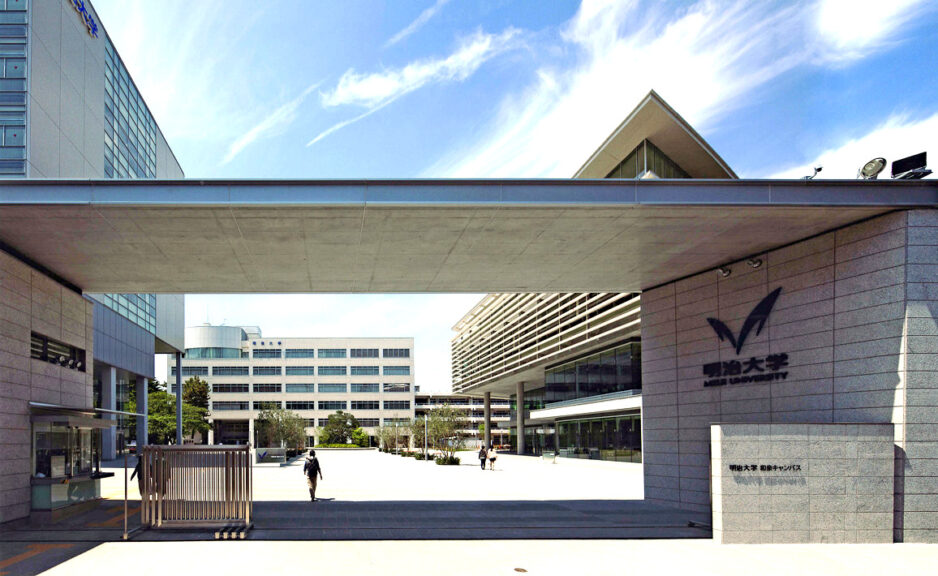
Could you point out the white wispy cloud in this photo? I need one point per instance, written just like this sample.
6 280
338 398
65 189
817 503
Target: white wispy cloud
274 123
851 29
417 24
336 127
899 136
376 90
373 89
704 60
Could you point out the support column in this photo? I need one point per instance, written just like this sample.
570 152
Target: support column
251 431
143 424
179 398
520 417
487 437
109 402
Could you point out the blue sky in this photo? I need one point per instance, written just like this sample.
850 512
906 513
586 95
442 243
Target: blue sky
454 88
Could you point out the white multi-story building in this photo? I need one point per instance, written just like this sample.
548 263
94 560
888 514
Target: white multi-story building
372 378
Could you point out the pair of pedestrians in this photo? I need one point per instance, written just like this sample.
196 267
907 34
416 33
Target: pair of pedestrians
487 454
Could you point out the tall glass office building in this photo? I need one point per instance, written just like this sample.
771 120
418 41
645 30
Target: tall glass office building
69 108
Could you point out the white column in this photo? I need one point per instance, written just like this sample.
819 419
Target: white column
520 417
211 436
142 405
109 402
251 431
487 438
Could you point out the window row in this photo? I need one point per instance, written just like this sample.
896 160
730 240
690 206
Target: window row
363 422
312 405
308 388
331 352
293 371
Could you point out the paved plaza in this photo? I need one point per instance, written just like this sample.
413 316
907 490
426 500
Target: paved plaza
381 512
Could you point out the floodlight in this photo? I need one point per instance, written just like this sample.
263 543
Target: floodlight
871 169
723 271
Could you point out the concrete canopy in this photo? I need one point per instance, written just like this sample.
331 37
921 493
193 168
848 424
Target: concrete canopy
418 236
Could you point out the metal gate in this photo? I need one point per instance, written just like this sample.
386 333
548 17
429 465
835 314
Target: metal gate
196 486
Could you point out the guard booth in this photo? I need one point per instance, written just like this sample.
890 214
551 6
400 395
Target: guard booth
66 459
196 487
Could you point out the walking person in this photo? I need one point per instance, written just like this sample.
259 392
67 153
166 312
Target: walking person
492 456
483 454
311 468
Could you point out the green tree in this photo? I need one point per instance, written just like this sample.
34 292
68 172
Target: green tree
195 392
417 430
161 416
385 436
339 428
359 438
278 427
446 429
194 419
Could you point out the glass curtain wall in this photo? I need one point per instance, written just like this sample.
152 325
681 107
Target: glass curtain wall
612 370
616 438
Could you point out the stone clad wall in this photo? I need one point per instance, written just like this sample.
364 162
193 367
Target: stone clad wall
31 301
919 499
856 346
796 483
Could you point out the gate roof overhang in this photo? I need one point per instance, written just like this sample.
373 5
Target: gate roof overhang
276 236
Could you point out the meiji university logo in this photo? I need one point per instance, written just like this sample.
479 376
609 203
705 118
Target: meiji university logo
756 319
755 369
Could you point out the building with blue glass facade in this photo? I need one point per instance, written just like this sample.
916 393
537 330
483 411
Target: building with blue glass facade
70 109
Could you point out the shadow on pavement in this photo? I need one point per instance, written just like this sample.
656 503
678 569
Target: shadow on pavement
465 520
29 547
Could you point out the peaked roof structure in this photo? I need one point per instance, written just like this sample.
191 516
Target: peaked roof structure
655 120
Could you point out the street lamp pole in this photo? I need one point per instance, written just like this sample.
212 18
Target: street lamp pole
425 434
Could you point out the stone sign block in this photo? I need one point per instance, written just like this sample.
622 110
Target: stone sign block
793 483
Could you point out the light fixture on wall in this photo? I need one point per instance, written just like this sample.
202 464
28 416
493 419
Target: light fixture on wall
723 271
754 262
811 177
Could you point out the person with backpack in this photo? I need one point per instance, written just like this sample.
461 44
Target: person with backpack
311 468
482 456
492 456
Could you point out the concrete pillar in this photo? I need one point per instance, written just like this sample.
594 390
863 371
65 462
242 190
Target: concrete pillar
143 423
211 436
487 438
251 432
179 398
109 402
520 417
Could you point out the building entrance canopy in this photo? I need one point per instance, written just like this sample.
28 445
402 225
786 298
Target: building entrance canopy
419 235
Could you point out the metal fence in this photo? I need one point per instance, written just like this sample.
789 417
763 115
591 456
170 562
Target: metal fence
195 486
